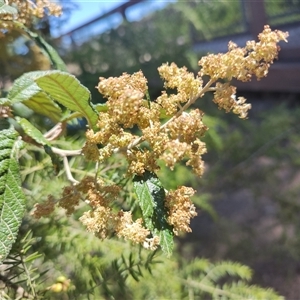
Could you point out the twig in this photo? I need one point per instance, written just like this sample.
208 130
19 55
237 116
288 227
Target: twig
15 287
55 132
190 102
64 153
68 171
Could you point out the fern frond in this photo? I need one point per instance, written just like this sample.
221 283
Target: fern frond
251 291
204 277
224 268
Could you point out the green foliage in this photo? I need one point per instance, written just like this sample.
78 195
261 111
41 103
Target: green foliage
102 269
12 199
207 278
26 91
40 89
211 19
32 131
68 91
256 196
6 9
281 11
47 49
151 195
19 270
107 269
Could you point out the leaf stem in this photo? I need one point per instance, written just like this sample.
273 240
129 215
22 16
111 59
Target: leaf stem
68 171
63 153
55 132
190 102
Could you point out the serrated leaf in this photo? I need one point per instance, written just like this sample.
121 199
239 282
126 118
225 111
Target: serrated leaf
68 91
12 199
24 87
32 131
149 192
166 241
26 91
52 53
42 104
7 9
151 196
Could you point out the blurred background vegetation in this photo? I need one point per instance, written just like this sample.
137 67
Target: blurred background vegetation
249 196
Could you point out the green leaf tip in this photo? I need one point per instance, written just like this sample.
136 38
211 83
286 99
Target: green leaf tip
47 49
12 199
151 197
68 91
27 92
32 131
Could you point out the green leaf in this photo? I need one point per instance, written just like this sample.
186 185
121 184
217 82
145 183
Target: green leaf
100 107
4 101
32 131
53 55
166 241
47 49
32 257
26 91
68 91
7 9
12 199
151 196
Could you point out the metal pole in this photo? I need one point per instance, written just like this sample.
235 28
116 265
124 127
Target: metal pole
256 14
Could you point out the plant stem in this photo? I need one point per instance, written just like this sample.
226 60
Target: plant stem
182 109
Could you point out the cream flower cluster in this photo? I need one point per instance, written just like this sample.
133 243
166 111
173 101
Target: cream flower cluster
166 129
28 10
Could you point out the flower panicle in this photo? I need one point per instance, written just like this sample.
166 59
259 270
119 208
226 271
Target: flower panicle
27 11
166 130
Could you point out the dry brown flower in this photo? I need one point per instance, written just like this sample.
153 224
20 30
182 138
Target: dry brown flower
44 209
181 209
29 10
70 198
243 63
5 111
166 129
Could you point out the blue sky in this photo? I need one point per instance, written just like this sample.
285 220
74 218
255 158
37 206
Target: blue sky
89 9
